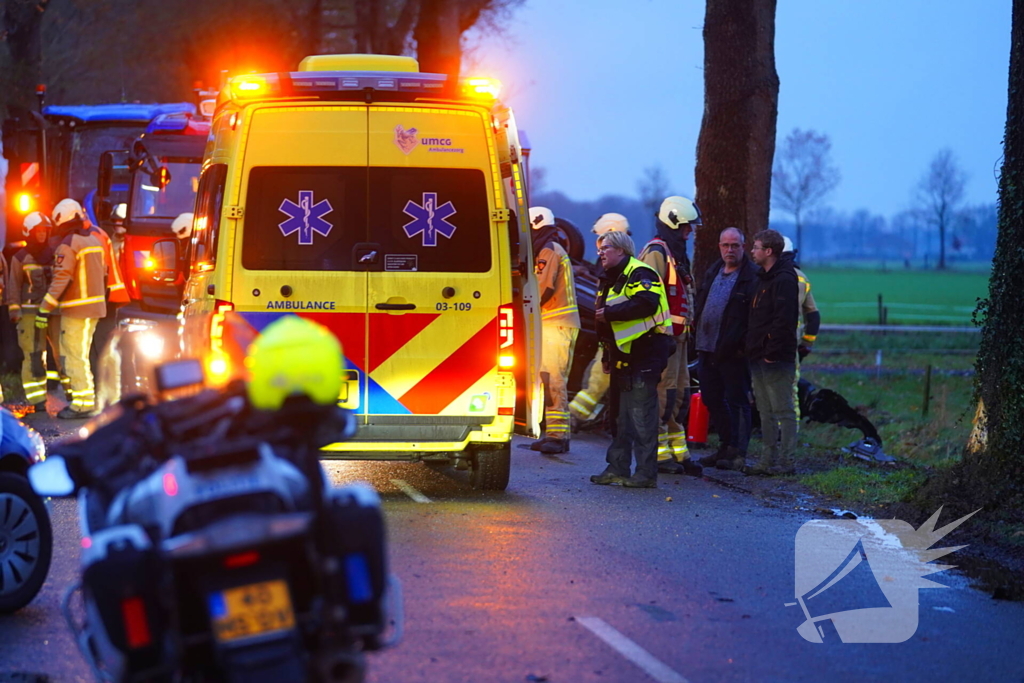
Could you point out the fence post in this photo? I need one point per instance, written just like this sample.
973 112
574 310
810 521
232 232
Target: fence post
880 311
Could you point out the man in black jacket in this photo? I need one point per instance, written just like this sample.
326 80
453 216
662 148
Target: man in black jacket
771 350
721 314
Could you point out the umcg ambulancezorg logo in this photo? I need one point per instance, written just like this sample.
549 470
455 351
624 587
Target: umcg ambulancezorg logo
857 580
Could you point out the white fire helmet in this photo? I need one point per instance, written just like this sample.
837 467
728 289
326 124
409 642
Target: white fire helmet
787 245
611 222
675 211
66 210
182 226
33 221
541 216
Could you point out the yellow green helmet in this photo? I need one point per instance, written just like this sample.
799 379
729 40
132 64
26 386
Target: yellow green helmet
294 356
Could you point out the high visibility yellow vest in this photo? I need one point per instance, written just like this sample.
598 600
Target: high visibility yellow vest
627 330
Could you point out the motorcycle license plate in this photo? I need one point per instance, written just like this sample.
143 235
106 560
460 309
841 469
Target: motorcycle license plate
252 610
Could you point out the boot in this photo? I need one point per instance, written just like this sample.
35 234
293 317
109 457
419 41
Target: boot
536 445
638 481
731 459
693 469
553 446
607 478
670 467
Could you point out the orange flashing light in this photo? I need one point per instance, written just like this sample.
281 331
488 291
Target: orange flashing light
489 88
149 264
248 86
23 202
506 361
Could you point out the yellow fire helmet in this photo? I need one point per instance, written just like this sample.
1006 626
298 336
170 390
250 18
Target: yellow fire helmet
294 356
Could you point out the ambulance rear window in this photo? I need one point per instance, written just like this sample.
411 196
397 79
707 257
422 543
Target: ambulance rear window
304 217
412 219
436 219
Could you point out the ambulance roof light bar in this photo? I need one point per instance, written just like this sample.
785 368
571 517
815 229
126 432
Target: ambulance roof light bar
323 83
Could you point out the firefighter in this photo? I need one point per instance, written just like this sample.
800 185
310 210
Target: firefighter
30 275
78 289
560 322
633 319
586 404
3 290
666 255
810 321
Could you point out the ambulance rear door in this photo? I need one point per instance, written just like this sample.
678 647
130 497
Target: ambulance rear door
303 195
433 267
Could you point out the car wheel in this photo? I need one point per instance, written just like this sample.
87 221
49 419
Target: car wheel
26 542
491 469
571 239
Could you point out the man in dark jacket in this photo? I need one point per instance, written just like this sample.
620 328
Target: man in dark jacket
634 327
721 314
771 350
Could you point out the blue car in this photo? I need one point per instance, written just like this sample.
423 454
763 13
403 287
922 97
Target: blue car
26 539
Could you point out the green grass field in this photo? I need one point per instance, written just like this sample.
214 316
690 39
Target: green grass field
913 297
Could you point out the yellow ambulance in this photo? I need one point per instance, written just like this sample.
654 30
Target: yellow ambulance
390 206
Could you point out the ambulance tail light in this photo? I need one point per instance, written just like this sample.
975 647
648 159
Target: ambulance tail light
221 306
506 329
506 338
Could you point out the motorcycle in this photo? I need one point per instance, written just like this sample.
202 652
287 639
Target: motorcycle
26 539
213 547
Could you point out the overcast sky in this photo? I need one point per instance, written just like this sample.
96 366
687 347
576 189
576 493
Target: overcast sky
606 88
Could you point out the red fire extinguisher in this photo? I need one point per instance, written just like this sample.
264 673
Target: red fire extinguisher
697 426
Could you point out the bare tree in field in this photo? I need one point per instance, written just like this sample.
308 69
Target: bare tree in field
737 135
939 195
653 187
803 175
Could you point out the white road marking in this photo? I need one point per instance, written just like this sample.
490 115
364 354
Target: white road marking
651 665
408 490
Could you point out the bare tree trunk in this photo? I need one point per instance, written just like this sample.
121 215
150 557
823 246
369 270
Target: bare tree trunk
737 136
994 458
439 37
22 23
942 242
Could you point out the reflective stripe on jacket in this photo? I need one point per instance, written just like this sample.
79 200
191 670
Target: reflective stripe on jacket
627 330
677 290
557 287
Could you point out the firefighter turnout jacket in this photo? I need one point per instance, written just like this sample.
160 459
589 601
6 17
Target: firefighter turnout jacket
117 293
29 280
79 281
658 256
557 287
810 317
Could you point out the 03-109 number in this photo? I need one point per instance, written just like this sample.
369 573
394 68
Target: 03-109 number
458 306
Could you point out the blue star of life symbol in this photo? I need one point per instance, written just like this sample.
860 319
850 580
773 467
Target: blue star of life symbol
305 217
429 219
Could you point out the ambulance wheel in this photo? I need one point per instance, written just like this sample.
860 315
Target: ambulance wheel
26 542
491 469
571 238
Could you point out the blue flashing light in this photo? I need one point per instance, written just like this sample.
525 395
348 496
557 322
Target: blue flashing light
109 113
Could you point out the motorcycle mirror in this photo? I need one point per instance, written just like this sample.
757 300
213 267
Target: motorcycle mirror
51 478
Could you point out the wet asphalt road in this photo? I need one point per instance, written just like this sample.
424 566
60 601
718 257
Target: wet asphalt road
559 580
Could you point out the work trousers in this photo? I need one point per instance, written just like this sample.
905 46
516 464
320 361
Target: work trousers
75 345
773 391
676 377
724 389
34 356
556 359
636 432
584 403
